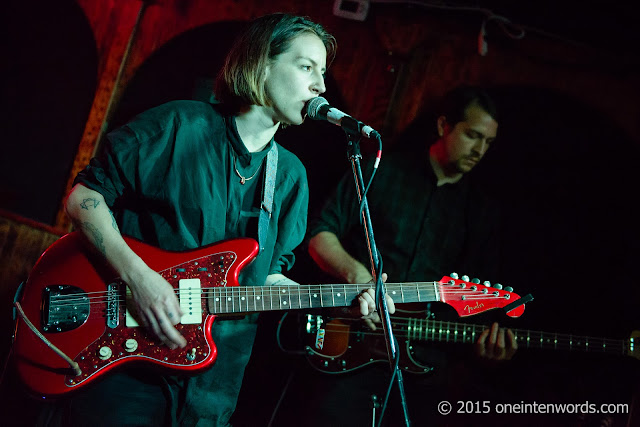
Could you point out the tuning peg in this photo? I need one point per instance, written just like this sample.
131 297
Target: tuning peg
475 280
465 278
454 275
508 289
497 286
486 283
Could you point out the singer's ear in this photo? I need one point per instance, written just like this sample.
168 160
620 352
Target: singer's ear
442 125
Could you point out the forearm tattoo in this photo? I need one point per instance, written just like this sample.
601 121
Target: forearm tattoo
113 221
89 203
97 238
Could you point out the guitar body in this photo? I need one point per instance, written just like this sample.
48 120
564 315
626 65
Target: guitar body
344 345
77 303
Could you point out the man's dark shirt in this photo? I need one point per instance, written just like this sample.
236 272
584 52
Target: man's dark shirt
422 231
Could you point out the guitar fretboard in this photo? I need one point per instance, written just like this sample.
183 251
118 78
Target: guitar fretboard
240 299
443 331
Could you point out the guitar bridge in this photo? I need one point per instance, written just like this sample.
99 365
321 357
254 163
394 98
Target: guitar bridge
64 308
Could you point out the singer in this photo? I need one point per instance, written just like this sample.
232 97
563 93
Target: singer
187 174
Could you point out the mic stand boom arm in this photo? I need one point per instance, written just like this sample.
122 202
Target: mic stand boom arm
353 151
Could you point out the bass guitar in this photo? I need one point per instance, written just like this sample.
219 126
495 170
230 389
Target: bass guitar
344 345
75 326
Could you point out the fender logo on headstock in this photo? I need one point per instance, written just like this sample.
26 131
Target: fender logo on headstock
469 309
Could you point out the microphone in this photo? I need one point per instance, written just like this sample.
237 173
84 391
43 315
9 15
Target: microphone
319 109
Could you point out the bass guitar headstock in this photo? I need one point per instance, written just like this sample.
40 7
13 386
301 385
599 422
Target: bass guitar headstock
469 297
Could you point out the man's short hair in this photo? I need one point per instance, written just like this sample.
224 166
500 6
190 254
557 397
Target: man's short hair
240 83
455 103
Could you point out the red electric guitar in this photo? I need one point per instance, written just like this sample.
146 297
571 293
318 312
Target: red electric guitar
75 325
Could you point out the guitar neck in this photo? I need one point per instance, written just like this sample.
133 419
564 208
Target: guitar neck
244 299
443 331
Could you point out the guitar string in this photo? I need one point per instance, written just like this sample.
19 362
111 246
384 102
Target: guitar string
405 287
237 291
270 291
277 289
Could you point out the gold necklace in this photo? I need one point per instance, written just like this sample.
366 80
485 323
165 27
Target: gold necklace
243 180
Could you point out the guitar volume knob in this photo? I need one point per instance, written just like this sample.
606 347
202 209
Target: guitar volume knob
104 353
131 345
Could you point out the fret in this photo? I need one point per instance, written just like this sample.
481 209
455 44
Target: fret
570 343
315 296
327 296
333 298
232 298
541 340
448 331
412 293
292 301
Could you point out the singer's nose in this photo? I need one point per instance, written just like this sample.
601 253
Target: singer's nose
318 86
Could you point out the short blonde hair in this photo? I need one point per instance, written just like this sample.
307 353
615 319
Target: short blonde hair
240 82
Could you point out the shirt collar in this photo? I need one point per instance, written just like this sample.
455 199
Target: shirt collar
245 157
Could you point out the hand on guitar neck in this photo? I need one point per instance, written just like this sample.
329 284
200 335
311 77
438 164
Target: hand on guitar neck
367 305
496 344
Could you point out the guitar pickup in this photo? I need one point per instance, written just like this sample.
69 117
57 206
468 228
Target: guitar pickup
113 310
190 295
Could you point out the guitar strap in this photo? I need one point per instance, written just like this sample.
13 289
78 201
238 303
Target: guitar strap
267 195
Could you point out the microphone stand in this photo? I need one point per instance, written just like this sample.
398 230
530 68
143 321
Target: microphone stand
353 129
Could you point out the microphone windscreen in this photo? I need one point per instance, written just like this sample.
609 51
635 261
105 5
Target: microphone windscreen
313 107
